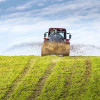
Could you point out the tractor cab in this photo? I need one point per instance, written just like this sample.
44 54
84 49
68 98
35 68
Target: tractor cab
56 42
57 34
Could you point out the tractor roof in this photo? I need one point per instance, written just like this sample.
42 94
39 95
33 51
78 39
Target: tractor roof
58 29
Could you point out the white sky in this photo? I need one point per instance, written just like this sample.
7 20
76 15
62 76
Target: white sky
26 21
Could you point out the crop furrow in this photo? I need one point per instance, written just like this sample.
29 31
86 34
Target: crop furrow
88 69
41 82
83 80
18 80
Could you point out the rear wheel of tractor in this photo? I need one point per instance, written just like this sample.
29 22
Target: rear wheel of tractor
67 50
44 51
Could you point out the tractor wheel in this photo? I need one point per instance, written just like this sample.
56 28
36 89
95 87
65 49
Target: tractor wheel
44 51
63 49
66 51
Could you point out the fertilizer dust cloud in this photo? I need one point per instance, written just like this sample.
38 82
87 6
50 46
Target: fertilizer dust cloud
35 49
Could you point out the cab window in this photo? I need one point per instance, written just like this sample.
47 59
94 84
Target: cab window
61 33
46 35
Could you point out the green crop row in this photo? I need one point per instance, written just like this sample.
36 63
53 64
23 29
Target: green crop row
26 87
10 68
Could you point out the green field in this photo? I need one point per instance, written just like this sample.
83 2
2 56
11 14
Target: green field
49 78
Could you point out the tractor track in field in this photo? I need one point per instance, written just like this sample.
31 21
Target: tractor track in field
88 69
68 83
41 82
18 80
86 76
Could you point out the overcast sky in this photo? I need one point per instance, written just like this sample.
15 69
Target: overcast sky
25 21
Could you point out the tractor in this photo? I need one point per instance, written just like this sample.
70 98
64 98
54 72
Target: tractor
56 42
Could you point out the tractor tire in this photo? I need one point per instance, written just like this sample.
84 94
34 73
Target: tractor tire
44 51
55 48
66 51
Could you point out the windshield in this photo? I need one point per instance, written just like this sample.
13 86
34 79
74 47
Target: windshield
61 33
